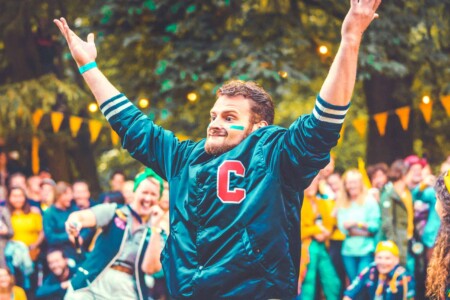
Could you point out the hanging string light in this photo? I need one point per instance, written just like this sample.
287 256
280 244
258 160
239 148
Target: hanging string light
93 107
323 49
283 74
143 103
426 99
192 96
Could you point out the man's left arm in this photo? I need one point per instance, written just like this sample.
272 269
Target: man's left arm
310 139
340 81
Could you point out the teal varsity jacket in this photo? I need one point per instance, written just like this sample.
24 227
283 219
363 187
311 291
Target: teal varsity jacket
235 217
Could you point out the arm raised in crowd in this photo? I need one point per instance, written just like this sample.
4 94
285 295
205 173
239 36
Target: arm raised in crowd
152 258
78 220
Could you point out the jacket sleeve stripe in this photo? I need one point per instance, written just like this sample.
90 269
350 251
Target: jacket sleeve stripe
329 113
111 102
325 119
114 106
117 110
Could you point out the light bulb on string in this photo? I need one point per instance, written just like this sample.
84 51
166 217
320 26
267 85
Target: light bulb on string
192 96
426 99
93 107
143 103
283 74
323 49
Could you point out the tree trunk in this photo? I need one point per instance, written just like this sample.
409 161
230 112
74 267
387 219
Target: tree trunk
387 94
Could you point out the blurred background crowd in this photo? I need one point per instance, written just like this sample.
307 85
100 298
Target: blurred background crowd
344 216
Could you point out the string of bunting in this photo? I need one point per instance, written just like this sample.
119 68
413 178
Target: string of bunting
75 123
403 113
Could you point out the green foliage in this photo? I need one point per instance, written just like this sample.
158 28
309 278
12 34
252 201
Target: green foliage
162 50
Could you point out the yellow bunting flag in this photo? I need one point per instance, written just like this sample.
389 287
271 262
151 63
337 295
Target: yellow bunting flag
20 111
37 116
35 155
264 3
75 124
360 125
403 115
426 109
341 133
94 128
182 137
381 120
114 138
445 100
56 118
362 169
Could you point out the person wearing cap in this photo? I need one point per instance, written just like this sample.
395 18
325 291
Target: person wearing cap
128 247
438 279
47 197
384 279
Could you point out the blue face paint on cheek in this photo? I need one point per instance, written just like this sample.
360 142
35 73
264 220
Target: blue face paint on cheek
237 127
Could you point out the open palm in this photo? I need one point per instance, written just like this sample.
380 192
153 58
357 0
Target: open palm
82 51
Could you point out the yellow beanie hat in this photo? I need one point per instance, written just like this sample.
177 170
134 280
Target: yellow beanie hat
387 246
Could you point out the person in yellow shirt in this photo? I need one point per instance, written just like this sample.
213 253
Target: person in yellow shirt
8 289
26 221
317 224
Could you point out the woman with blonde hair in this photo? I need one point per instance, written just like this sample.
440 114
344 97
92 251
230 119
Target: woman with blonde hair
358 218
438 279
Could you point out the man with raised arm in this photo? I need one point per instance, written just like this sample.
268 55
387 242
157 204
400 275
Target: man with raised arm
235 197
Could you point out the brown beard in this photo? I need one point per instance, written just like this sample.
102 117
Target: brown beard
217 150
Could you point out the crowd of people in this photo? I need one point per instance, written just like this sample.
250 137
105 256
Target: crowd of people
52 230
365 233
363 224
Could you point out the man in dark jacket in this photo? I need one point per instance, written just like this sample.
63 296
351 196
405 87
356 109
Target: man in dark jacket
56 283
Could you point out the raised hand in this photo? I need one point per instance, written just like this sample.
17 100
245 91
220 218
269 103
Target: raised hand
82 52
156 215
358 18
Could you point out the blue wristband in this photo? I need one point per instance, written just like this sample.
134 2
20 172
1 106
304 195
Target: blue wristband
87 67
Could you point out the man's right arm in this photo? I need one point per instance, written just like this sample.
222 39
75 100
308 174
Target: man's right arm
84 53
146 142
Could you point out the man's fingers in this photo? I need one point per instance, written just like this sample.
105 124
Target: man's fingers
60 27
376 4
90 38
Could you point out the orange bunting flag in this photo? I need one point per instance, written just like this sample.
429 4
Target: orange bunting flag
94 128
403 115
37 116
56 118
114 138
426 109
35 155
445 100
360 125
75 124
381 120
